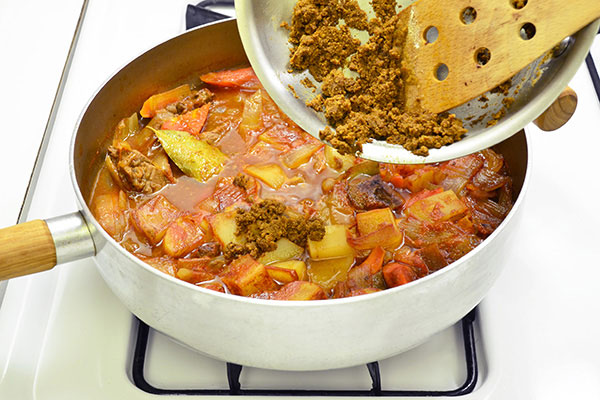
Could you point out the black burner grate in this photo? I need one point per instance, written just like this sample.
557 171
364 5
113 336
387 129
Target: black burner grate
199 14
591 66
234 371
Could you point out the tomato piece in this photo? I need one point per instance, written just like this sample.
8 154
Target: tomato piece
191 121
396 274
244 77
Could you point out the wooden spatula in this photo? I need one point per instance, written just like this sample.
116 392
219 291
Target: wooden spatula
458 50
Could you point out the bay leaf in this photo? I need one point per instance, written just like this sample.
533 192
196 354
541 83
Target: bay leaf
193 156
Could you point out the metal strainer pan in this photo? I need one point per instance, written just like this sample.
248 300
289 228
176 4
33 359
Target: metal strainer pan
534 88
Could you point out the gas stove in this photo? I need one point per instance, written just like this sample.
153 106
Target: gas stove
64 335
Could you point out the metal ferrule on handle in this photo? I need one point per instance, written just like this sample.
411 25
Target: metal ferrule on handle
38 245
72 237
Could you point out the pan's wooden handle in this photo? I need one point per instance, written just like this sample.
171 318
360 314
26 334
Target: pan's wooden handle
559 112
25 249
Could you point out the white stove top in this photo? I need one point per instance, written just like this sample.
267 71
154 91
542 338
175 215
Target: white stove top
63 335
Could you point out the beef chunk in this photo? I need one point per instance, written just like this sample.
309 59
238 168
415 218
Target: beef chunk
210 249
368 193
197 99
133 171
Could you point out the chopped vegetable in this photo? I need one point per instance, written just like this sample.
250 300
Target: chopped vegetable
368 274
194 157
300 155
161 100
337 161
327 273
296 265
244 77
387 236
439 207
300 290
396 274
370 221
333 245
184 235
245 276
271 174
191 122
108 209
224 227
282 275
126 128
153 217
285 250
251 116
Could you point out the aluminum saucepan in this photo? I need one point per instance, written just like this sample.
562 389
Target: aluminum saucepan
285 335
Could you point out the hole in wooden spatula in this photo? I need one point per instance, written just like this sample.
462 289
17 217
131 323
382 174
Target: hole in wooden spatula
468 15
518 4
482 56
441 72
527 31
431 34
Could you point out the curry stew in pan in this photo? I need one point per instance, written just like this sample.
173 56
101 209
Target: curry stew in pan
212 184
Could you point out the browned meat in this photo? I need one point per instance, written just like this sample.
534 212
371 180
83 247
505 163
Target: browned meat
368 193
198 98
133 171
210 249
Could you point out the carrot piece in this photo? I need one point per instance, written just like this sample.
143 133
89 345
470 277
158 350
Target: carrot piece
375 260
231 78
161 100
361 276
191 121
396 274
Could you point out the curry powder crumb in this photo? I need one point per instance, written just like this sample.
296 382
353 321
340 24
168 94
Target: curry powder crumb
265 223
363 85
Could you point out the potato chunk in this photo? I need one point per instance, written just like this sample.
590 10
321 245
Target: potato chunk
184 235
224 227
109 210
296 265
327 273
301 154
246 276
300 290
370 221
271 174
337 161
153 217
282 275
284 251
333 245
442 206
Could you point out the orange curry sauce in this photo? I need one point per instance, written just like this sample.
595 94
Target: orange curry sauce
386 225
